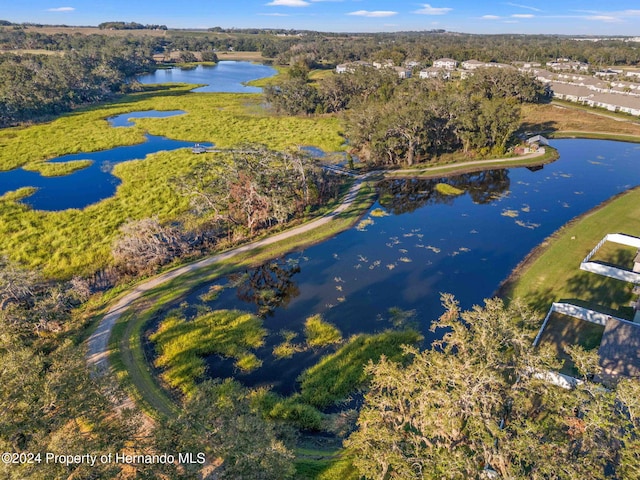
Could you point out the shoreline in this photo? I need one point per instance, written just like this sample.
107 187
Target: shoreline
507 285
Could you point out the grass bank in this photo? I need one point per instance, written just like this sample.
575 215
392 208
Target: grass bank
125 345
464 165
562 120
551 273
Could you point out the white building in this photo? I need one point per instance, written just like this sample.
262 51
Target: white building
434 72
446 63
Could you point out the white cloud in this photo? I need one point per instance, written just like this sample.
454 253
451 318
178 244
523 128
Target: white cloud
527 7
375 13
490 17
603 18
61 9
288 3
429 10
523 15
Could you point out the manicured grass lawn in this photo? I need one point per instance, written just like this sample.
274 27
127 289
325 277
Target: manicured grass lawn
552 272
563 330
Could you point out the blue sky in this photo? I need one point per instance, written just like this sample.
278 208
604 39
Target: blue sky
583 17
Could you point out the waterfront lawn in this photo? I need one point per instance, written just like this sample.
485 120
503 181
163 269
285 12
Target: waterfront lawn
564 331
551 273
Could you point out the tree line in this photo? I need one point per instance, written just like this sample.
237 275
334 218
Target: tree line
33 86
129 26
233 196
389 121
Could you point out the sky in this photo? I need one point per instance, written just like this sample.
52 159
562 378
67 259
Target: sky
573 17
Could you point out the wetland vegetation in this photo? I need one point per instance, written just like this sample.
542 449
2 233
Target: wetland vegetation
227 348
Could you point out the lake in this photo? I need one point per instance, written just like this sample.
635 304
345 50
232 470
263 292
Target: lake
226 76
424 244
96 182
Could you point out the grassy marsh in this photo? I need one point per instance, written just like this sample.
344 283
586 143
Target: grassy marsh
340 374
58 169
181 343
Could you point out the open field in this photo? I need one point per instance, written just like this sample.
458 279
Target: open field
242 56
551 272
559 120
24 51
52 30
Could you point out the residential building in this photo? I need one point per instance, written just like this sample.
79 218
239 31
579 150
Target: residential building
446 63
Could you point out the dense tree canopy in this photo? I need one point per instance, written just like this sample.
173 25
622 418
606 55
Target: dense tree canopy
473 405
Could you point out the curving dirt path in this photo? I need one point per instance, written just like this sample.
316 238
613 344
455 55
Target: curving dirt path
98 342
462 165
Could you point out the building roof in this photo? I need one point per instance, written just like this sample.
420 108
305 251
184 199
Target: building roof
574 90
620 349
445 60
618 99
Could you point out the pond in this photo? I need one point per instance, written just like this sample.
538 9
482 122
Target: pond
226 76
412 245
96 182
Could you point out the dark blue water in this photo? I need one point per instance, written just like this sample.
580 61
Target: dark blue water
427 244
94 183
124 120
226 76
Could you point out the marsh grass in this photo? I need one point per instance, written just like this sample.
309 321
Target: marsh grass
74 241
58 169
17 195
340 374
320 333
287 348
182 343
446 189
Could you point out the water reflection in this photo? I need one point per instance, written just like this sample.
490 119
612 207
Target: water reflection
268 286
404 195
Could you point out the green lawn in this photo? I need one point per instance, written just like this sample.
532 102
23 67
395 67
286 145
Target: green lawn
616 255
552 273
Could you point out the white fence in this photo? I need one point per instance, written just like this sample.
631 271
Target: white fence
608 271
577 312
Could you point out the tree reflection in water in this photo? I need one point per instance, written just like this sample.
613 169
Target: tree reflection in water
268 286
403 195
